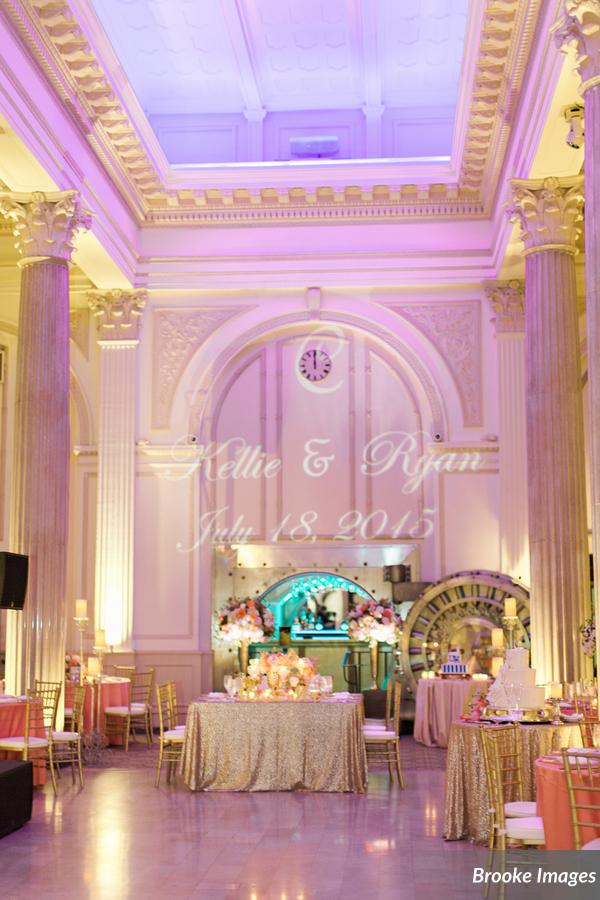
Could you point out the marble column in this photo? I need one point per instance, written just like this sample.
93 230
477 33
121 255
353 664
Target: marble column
118 315
44 225
508 304
549 213
580 23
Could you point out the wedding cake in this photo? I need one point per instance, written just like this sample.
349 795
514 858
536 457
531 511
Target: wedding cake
515 687
454 664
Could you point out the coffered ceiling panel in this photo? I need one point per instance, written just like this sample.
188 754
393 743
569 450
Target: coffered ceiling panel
203 69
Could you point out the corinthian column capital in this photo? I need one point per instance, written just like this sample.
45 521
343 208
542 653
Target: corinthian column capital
118 313
507 299
44 224
549 212
580 24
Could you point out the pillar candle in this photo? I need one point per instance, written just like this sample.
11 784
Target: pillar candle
100 640
81 609
93 665
497 639
510 607
556 690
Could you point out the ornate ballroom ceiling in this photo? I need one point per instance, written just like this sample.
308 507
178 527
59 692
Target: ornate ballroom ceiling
346 68
381 77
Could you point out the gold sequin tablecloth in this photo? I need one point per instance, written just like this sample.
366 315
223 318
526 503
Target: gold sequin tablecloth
467 801
275 746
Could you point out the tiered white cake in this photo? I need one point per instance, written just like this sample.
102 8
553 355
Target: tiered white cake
514 687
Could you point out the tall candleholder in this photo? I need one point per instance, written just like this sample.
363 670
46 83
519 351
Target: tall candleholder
81 623
509 623
101 651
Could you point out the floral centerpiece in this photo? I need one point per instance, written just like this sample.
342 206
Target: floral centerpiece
72 666
244 622
281 676
376 622
588 638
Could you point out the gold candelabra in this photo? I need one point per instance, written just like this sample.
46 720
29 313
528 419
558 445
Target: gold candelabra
509 623
81 623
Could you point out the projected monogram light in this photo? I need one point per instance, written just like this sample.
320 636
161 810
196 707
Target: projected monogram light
390 451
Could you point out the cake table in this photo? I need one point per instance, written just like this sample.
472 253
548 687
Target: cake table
467 800
439 702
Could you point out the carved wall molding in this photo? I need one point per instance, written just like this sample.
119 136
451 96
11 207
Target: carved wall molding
57 38
177 335
79 329
118 313
549 212
44 224
507 299
455 331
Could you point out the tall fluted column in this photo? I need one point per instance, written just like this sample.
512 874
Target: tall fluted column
549 213
44 225
508 303
581 23
118 314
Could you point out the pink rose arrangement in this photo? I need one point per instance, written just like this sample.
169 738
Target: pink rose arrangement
245 620
374 620
286 676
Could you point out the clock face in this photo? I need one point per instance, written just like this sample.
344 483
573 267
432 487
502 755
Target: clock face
315 365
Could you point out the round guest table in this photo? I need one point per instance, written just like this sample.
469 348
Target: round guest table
552 799
439 702
467 799
100 693
12 724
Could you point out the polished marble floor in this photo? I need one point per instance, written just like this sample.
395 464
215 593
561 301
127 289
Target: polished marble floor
122 838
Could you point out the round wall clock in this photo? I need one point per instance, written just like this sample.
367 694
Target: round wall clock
314 365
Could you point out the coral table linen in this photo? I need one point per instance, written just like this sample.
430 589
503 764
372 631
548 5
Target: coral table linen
467 800
12 724
439 702
113 692
553 806
275 746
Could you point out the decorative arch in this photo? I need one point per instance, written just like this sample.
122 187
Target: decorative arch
83 413
261 332
474 595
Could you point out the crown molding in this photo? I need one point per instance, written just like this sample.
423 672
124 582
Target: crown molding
66 41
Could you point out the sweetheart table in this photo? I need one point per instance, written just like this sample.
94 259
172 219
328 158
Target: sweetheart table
238 745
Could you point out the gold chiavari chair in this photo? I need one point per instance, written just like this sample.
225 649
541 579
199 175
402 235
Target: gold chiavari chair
384 724
170 738
123 671
31 745
50 691
582 769
589 724
67 744
384 744
121 720
503 764
507 739
174 708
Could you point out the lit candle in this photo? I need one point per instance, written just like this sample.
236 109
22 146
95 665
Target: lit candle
497 639
556 690
81 609
100 640
93 665
479 676
510 607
